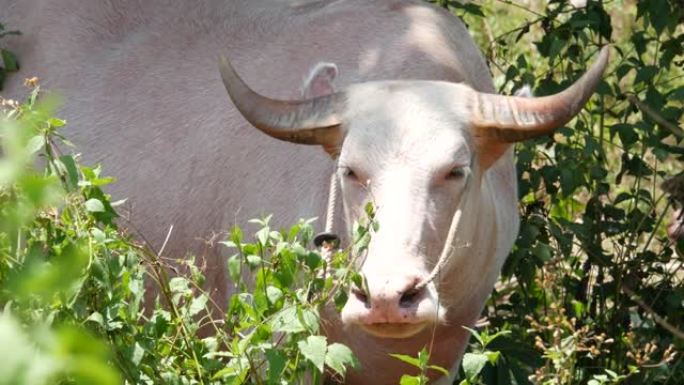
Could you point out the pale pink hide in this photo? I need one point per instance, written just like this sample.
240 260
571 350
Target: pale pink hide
143 95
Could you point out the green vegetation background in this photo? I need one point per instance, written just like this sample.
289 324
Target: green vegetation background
592 292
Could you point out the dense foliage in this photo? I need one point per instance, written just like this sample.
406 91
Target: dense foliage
591 294
69 281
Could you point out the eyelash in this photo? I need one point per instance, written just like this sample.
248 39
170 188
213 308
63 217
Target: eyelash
348 173
456 173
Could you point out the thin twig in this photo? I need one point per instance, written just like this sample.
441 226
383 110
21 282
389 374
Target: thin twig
676 130
657 318
522 7
166 240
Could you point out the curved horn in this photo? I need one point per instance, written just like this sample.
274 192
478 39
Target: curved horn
312 121
511 119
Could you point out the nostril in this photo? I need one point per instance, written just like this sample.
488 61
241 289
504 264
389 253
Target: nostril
411 296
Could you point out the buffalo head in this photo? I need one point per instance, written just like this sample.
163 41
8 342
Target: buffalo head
423 152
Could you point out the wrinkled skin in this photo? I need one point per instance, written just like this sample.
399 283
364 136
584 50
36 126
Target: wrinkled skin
142 94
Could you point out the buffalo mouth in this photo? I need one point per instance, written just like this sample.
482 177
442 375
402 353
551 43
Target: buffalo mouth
394 330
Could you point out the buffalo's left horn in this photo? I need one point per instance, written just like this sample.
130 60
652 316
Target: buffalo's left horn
511 118
312 121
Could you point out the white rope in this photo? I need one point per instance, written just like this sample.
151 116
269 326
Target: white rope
332 204
447 250
326 248
449 247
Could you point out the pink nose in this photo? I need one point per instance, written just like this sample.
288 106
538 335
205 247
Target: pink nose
389 299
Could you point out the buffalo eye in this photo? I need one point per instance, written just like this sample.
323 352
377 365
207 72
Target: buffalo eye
348 173
456 173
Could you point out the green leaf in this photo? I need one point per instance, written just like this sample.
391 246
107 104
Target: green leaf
288 320
369 209
473 364
339 357
408 359
56 123
229 244
35 144
360 281
579 308
273 294
295 320
476 335
263 235
490 338
97 318
137 354
314 349
94 206
236 235
253 261
234 268
98 235
309 319
645 74
10 60
439 369
543 252
409 380
493 357
198 304
277 361
71 170
33 96
60 276
237 367
677 94
179 285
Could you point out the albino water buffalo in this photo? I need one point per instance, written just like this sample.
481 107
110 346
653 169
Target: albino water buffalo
406 115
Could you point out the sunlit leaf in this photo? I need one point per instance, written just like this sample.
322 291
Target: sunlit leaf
314 350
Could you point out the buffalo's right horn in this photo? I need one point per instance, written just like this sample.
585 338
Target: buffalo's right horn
311 121
510 119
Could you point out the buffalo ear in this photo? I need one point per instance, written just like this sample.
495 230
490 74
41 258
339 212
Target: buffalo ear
320 80
311 121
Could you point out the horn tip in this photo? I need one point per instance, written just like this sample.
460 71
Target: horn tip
604 54
605 50
222 60
228 74
224 65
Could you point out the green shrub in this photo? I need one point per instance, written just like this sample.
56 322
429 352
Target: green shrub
72 286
